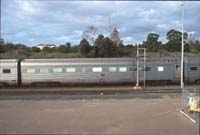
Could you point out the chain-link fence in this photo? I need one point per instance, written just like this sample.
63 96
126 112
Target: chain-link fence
191 103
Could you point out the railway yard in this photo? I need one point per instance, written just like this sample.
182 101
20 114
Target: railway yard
85 96
93 90
97 110
85 68
96 116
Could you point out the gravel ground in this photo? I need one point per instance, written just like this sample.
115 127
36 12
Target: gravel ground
97 116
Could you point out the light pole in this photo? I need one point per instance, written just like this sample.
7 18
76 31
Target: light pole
182 44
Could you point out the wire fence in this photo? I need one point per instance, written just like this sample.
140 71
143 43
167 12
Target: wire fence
190 103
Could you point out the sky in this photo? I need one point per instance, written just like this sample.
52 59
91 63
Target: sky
33 22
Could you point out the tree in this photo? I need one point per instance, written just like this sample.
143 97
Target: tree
99 40
47 49
8 47
174 40
84 47
115 37
106 48
1 45
68 47
62 49
74 48
152 44
35 49
195 46
21 46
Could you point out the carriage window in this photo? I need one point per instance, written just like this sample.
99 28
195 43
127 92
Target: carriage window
31 70
57 70
6 71
71 69
112 69
122 69
193 68
148 69
141 68
160 69
97 69
44 70
132 68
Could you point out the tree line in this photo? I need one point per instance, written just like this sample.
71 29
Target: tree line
103 47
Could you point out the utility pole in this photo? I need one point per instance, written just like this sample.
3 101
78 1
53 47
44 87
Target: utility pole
182 51
137 83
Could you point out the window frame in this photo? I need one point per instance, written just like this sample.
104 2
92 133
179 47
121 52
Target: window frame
148 67
160 69
109 69
193 69
6 69
70 71
96 69
31 70
123 71
53 70
43 69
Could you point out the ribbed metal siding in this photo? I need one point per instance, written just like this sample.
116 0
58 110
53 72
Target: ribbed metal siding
10 78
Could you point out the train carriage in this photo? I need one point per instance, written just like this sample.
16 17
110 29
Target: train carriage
81 70
163 70
192 70
96 71
8 72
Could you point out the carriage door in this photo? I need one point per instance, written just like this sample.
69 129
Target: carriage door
177 74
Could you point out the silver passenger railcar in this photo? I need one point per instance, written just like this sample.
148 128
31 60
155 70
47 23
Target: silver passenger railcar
8 72
163 69
78 70
96 70
192 70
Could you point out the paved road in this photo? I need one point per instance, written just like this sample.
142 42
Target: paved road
97 116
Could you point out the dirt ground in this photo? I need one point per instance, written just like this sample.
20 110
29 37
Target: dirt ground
124 116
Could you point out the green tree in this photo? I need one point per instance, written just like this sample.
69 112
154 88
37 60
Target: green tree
68 47
35 49
47 49
1 45
106 48
99 40
174 40
152 44
62 49
8 47
194 46
84 47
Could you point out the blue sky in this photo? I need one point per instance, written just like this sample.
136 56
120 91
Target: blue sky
32 22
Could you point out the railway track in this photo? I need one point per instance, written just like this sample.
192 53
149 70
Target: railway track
92 90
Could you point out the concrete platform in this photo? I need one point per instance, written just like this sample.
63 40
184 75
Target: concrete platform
132 116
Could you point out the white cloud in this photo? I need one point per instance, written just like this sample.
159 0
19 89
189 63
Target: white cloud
64 21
